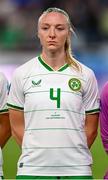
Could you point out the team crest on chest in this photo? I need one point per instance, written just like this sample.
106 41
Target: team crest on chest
74 84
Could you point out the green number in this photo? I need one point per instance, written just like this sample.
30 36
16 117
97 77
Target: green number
56 98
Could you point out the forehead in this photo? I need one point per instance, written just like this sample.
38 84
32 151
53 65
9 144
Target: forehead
53 17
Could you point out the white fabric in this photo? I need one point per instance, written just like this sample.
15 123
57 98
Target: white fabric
3 93
54 142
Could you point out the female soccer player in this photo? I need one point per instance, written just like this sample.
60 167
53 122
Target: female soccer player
54 106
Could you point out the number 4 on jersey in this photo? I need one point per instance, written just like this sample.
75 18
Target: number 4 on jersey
56 98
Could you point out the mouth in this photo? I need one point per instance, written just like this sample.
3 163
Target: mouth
51 42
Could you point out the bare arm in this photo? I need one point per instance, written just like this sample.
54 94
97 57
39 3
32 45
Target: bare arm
17 125
5 131
91 127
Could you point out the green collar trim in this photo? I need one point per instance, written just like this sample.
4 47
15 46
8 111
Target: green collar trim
50 68
63 67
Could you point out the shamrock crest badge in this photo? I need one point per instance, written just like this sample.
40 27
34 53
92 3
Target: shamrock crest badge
74 84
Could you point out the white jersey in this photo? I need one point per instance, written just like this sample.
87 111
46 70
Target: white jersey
54 105
3 107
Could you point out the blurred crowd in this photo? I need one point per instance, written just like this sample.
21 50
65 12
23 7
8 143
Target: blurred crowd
18 22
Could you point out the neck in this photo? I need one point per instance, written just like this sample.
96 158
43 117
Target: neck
55 60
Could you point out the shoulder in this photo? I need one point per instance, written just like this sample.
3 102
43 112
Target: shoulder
26 66
24 69
86 71
85 68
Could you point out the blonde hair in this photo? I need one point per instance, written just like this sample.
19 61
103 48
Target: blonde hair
70 59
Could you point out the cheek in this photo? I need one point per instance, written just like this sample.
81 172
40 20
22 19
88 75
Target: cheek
63 38
42 39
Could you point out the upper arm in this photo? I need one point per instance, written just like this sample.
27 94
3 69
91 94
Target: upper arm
16 118
5 131
91 122
3 94
4 120
16 94
91 99
16 106
104 116
91 105
17 124
91 127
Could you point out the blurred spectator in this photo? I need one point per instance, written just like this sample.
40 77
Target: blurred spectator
103 23
10 26
18 21
92 20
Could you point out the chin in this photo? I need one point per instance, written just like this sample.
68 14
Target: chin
52 49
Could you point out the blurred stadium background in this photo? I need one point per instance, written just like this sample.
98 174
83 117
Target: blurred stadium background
19 43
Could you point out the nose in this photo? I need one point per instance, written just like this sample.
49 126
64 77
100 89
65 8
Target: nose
52 33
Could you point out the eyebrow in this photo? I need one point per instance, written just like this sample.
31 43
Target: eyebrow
55 24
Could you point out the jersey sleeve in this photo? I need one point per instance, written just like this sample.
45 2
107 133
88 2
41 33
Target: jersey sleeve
104 116
91 98
4 86
16 95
